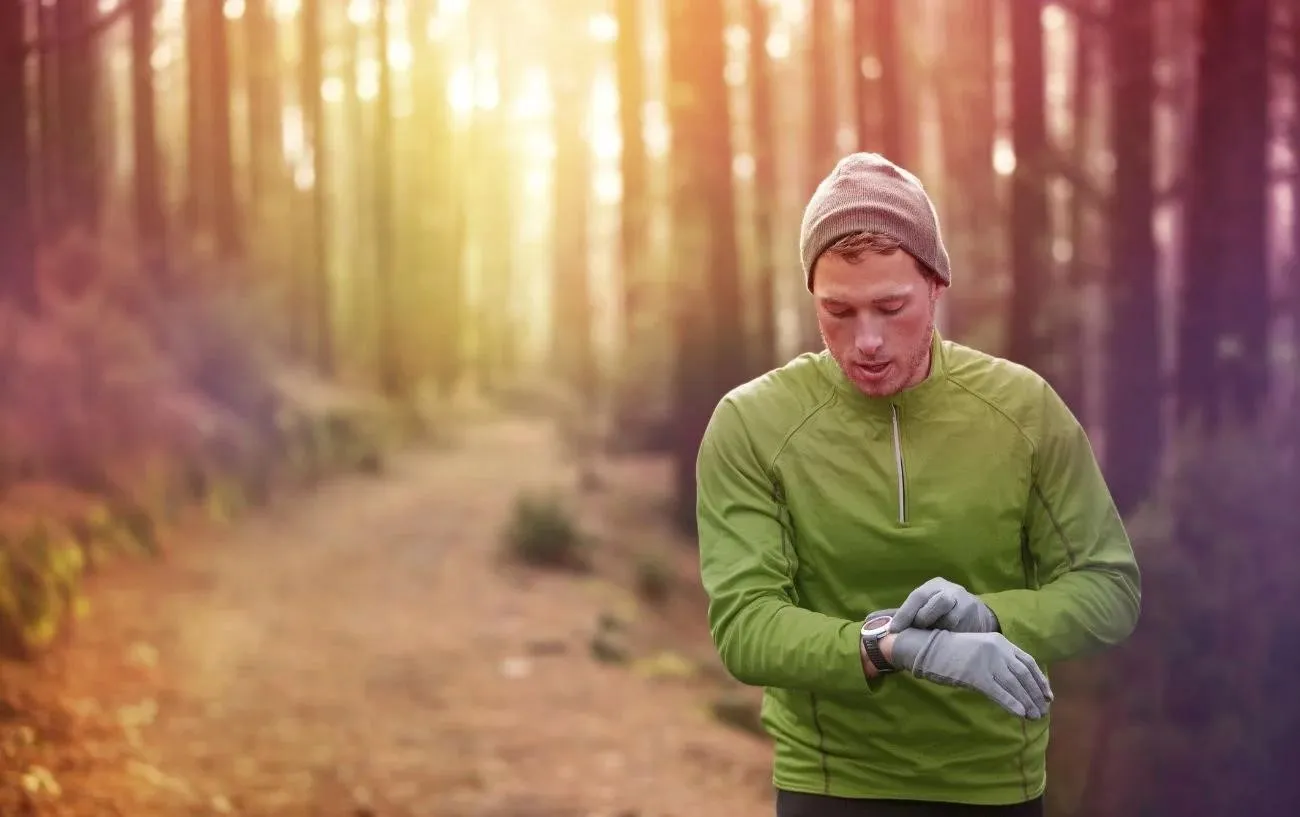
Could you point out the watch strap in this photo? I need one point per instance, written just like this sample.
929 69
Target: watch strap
876 656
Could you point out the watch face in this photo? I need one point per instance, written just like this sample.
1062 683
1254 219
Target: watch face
877 623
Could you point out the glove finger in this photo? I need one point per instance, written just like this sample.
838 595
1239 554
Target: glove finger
906 615
1017 691
1027 679
1002 695
938 606
908 612
1040 679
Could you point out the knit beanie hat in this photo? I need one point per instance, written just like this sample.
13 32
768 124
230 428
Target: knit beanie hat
868 193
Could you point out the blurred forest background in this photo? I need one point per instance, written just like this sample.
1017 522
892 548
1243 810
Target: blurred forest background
246 244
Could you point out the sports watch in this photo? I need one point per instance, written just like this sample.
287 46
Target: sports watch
874 629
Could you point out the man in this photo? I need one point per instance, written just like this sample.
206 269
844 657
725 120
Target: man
899 474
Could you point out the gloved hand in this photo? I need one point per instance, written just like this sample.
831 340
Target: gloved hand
985 662
943 605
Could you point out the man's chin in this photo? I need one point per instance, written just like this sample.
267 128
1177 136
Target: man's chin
883 383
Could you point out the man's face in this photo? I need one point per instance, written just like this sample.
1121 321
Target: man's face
876 316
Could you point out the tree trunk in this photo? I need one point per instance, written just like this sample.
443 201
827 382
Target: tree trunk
1224 304
46 184
973 226
17 242
707 292
198 119
391 377
264 104
1029 335
315 255
150 213
823 121
491 222
1132 393
225 212
823 124
630 68
571 322
1293 280
765 193
878 78
441 177
78 118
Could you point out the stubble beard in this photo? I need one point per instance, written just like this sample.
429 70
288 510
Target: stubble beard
917 369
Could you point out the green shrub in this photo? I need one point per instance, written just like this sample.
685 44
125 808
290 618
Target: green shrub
542 532
653 577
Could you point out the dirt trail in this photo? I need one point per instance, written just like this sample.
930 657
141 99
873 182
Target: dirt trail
359 651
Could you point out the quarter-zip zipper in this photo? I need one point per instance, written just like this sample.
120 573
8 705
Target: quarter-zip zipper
898 465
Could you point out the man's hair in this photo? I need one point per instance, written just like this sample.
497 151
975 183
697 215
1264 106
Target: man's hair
855 245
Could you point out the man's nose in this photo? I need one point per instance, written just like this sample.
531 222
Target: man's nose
869 341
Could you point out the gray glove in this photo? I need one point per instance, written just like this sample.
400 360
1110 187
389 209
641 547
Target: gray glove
985 662
943 605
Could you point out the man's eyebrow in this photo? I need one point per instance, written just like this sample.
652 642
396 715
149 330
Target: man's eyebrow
834 300
893 295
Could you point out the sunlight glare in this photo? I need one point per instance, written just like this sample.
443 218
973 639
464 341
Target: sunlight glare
292 138
778 43
460 89
333 90
871 68
608 187
437 29
1053 17
452 8
536 181
233 9
163 56
541 144
368 79
604 97
361 12
1004 157
534 96
735 73
1062 250
107 6
655 131
171 15
304 175
488 94
737 37
602 28
607 143
285 9
790 11
400 55
742 166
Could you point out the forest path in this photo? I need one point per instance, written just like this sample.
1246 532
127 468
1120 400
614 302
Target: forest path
362 650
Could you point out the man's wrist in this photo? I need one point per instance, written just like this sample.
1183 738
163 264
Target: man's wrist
886 644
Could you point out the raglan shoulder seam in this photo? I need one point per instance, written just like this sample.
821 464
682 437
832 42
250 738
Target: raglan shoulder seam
798 426
967 388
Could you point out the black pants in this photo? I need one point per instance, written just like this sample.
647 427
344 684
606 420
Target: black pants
795 804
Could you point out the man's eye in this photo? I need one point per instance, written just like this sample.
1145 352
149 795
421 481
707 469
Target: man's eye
839 313
891 310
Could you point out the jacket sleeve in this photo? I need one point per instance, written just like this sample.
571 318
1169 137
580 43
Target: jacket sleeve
747 568
1089 588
